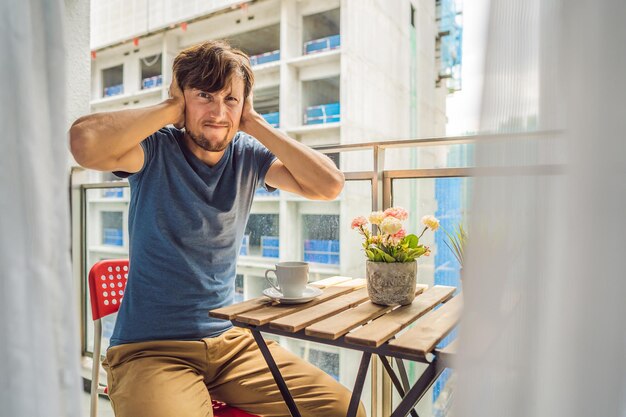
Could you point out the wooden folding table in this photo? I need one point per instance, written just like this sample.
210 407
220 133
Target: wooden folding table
343 316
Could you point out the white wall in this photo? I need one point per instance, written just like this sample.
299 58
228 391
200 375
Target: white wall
117 20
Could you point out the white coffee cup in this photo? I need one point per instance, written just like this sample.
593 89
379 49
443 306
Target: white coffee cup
291 278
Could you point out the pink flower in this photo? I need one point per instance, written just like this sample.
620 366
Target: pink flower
390 225
431 222
376 217
358 222
397 212
400 234
397 237
427 253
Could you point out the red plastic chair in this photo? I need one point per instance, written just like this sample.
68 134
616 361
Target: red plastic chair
107 283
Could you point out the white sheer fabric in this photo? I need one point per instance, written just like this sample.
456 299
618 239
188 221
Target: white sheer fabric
39 340
544 327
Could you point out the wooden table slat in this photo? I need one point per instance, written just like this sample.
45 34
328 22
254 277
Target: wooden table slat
230 312
328 282
266 314
424 336
383 328
336 326
299 320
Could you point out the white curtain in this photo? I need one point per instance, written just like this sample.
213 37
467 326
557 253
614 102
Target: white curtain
544 327
39 341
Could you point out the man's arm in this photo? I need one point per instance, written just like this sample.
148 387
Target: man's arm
299 169
111 141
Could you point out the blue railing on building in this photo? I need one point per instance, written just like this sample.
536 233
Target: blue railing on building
245 246
324 113
451 44
272 118
270 246
441 382
321 251
265 58
262 192
448 193
323 44
113 193
114 90
151 82
111 236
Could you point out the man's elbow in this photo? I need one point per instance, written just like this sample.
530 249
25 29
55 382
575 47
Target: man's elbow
79 145
333 187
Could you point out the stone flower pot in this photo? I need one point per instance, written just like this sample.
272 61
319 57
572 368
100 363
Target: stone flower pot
391 283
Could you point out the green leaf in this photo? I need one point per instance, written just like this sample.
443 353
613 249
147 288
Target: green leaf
389 258
454 252
417 252
411 240
377 253
383 256
456 242
369 254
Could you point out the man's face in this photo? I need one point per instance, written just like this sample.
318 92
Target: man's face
212 119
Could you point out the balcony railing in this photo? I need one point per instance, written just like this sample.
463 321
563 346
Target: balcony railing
321 251
151 82
324 44
113 90
270 246
111 236
415 181
265 58
272 118
324 113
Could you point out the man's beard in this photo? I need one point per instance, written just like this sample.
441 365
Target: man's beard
204 143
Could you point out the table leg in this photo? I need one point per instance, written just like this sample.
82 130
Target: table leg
416 393
403 375
395 380
282 386
358 384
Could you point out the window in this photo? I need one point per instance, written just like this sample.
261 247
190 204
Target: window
321 238
113 81
262 45
263 239
151 71
321 31
112 229
321 101
239 288
266 103
335 157
326 361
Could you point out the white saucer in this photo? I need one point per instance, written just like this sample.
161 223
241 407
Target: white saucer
308 294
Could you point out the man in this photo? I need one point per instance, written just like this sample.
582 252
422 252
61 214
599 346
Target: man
192 190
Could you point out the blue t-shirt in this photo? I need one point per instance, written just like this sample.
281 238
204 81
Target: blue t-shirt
186 222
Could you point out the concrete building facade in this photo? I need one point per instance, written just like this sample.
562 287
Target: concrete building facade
327 73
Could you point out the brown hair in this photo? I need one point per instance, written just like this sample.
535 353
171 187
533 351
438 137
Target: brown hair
209 66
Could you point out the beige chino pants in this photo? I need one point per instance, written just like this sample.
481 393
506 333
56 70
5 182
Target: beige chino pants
179 379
